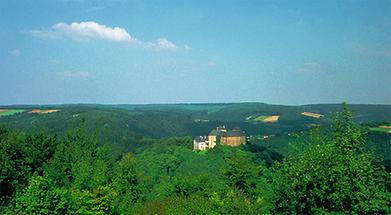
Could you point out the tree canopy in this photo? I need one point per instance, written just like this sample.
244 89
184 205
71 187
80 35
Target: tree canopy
70 173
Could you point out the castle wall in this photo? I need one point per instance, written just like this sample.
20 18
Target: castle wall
233 141
212 141
200 145
226 138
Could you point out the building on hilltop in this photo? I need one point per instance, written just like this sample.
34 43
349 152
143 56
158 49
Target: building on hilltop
200 143
214 134
234 137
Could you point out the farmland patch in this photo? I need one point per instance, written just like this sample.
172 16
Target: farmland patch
313 115
39 111
263 118
382 128
271 119
9 112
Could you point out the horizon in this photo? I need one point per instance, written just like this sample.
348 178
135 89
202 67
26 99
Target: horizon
119 52
189 103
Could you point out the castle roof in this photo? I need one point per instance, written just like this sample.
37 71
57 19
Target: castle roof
216 132
234 133
200 139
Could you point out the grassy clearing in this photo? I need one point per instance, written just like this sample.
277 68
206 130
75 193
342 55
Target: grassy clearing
263 118
313 115
260 118
271 119
383 128
256 117
10 112
252 117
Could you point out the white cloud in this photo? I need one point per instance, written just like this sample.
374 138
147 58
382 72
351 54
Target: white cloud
309 67
91 30
75 74
85 31
15 52
163 43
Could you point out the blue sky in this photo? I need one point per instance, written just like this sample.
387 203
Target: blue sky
133 51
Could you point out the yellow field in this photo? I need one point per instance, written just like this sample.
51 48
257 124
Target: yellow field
44 111
271 119
50 111
313 115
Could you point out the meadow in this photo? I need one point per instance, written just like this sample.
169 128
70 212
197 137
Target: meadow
386 129
10 112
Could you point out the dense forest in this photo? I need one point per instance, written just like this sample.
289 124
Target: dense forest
150 167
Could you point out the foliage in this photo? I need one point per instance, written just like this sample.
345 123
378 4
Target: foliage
346 135
332 176
20 156
125 183
241 173
326 170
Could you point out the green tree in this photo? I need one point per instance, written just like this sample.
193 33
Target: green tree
126 185
72 163
346 135
193 204
332 176
20 156
233 201
76 181
241 172
39 197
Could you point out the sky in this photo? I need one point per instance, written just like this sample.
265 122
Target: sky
201 51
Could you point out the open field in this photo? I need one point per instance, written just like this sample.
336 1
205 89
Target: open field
170 120
271 119
382 128
9 112
260 118
263 118
44 111
313 115
256 118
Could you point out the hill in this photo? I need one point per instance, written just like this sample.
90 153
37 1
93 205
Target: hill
164 120
125 125
125 160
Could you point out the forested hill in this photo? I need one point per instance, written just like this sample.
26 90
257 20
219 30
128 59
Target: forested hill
166 120
124 125
103 160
